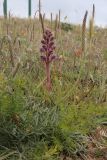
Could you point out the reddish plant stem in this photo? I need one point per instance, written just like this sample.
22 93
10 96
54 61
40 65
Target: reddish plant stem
48 78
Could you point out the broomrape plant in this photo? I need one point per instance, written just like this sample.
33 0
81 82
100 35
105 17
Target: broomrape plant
47 54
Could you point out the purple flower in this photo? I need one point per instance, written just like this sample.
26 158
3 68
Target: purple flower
48 46
52 57
47 50
43 58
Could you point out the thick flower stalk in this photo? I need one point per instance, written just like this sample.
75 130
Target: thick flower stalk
47 54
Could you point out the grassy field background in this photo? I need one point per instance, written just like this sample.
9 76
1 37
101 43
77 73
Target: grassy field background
69 122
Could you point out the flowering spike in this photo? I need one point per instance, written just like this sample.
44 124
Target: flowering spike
47 51
48 45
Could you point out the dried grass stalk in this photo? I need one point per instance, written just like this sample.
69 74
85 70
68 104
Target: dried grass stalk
84 31
16 69
51 20
42 22
93 13
59 19
39 9
56 25
91 24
